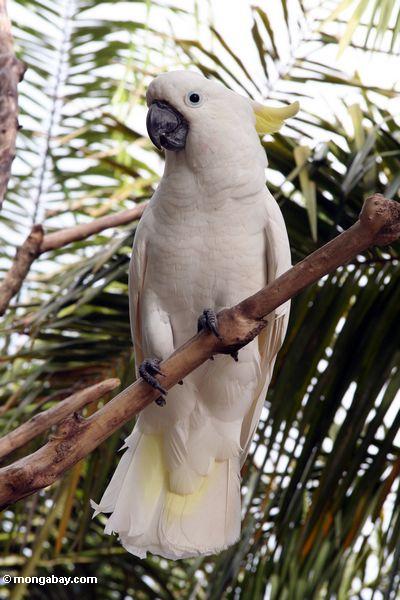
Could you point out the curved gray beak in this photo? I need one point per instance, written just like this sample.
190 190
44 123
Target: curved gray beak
166 126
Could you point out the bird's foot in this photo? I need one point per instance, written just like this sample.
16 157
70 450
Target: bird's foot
147 370
209 320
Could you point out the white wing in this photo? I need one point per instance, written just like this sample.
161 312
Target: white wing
271 339
137 272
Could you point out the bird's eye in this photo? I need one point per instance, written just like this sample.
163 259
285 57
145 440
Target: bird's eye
194 99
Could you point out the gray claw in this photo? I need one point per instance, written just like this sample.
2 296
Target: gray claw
147 370
208 320
234 355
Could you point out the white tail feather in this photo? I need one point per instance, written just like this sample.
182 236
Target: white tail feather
149 517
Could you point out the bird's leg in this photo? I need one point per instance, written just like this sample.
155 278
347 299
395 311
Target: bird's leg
208 320
147 370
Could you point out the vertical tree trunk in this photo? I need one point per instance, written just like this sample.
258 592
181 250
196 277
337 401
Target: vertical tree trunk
11 73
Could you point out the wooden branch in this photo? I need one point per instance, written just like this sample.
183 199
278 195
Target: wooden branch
46 419
11 73
24 257
379 223
37 243
61 238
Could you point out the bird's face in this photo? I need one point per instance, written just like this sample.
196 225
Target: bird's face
188 111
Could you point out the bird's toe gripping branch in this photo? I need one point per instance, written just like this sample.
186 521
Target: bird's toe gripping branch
147 370
208 320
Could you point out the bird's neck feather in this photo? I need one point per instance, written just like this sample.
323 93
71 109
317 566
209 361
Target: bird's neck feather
235 172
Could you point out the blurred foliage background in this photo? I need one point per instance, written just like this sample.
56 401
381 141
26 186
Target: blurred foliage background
321 495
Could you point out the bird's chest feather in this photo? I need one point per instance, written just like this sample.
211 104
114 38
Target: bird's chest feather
200 256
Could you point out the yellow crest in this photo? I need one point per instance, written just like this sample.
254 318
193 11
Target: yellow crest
269 119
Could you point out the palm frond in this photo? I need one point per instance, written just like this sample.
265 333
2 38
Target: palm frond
379 19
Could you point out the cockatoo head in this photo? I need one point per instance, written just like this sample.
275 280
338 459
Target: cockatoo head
205 119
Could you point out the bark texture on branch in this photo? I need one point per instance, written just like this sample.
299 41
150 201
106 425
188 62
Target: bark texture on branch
46 419
24 257
61 238
11 73
379 223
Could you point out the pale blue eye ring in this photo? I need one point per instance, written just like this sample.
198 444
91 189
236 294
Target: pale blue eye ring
194 98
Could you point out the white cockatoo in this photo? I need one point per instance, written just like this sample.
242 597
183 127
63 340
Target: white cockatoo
211 235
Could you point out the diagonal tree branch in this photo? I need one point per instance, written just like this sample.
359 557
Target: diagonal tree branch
11 73
62 237
24 257
46 419
379 223
37 243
